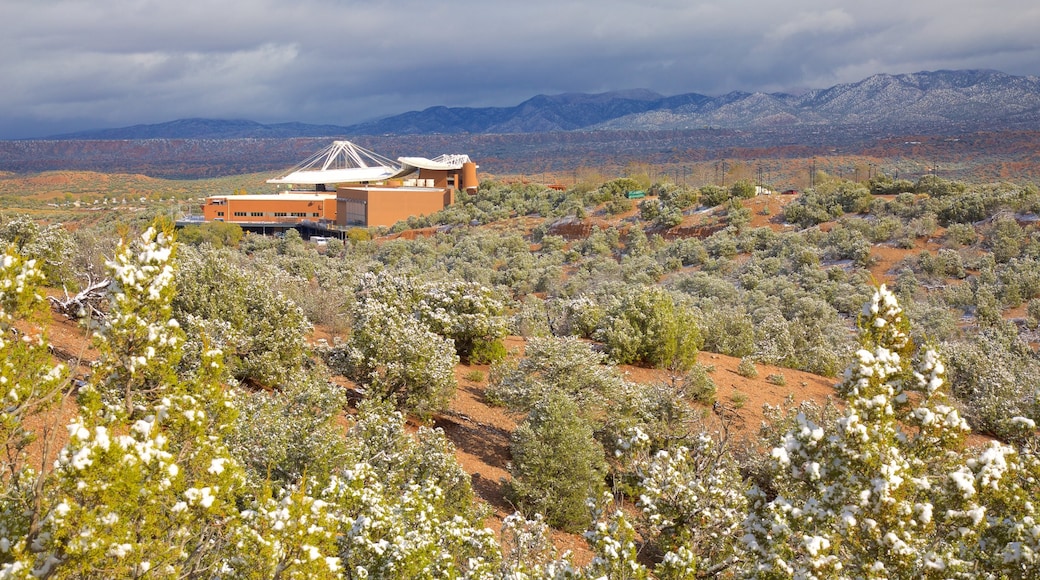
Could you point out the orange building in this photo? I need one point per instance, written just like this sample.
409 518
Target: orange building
363 205
285 208
372 191
397 200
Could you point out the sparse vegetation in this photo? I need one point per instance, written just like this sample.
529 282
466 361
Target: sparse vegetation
209 399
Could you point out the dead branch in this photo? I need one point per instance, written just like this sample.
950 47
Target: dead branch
86 303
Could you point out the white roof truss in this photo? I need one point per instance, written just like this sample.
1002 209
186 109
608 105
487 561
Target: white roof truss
340 162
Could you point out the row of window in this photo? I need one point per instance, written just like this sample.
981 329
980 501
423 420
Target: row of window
276 214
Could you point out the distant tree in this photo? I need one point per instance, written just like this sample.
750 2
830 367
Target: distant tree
617 188
218 234
743 189
713 195
938 187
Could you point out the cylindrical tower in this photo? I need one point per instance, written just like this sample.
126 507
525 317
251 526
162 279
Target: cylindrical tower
469 177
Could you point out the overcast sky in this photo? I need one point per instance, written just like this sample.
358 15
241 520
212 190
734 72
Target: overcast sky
68 65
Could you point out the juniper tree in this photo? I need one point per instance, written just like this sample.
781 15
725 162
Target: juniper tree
144 484
886 489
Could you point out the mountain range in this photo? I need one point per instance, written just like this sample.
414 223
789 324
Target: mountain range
937 100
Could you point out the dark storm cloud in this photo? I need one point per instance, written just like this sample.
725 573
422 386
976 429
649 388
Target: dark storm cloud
69 65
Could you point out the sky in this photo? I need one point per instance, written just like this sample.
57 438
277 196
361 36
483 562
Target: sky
70 65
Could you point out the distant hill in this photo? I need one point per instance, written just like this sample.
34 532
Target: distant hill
969 99
962 119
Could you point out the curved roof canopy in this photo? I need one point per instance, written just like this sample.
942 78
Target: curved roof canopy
439 163
340 162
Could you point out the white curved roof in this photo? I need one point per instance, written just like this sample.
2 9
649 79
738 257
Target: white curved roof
346 175
439 163
340 162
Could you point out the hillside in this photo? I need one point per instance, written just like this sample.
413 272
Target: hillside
481 431
585 296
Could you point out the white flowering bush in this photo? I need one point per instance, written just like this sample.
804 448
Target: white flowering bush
395 357
613 540
286 436
406 507
29 383
144 482
146 485
140 343
470 314
884 491
408 335
691 499
993 371
287 534
565 366
528 551
260 331
51 247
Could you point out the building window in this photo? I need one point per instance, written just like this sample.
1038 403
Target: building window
354 213
315 214
240 214
299 214
280 214
256 214
220 213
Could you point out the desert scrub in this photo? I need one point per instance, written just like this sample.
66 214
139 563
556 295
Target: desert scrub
701 388
738 399
474 376
776 379
747 369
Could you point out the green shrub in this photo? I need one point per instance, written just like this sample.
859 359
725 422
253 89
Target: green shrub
649 326
474 376
776 379
747 369
713 195
487 351
618 205
219 234
359 235
738 399
701 388
557 464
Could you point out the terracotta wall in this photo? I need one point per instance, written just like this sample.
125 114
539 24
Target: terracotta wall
385 206
225 208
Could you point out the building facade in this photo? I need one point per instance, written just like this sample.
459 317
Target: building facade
371 190
362 205
285 208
